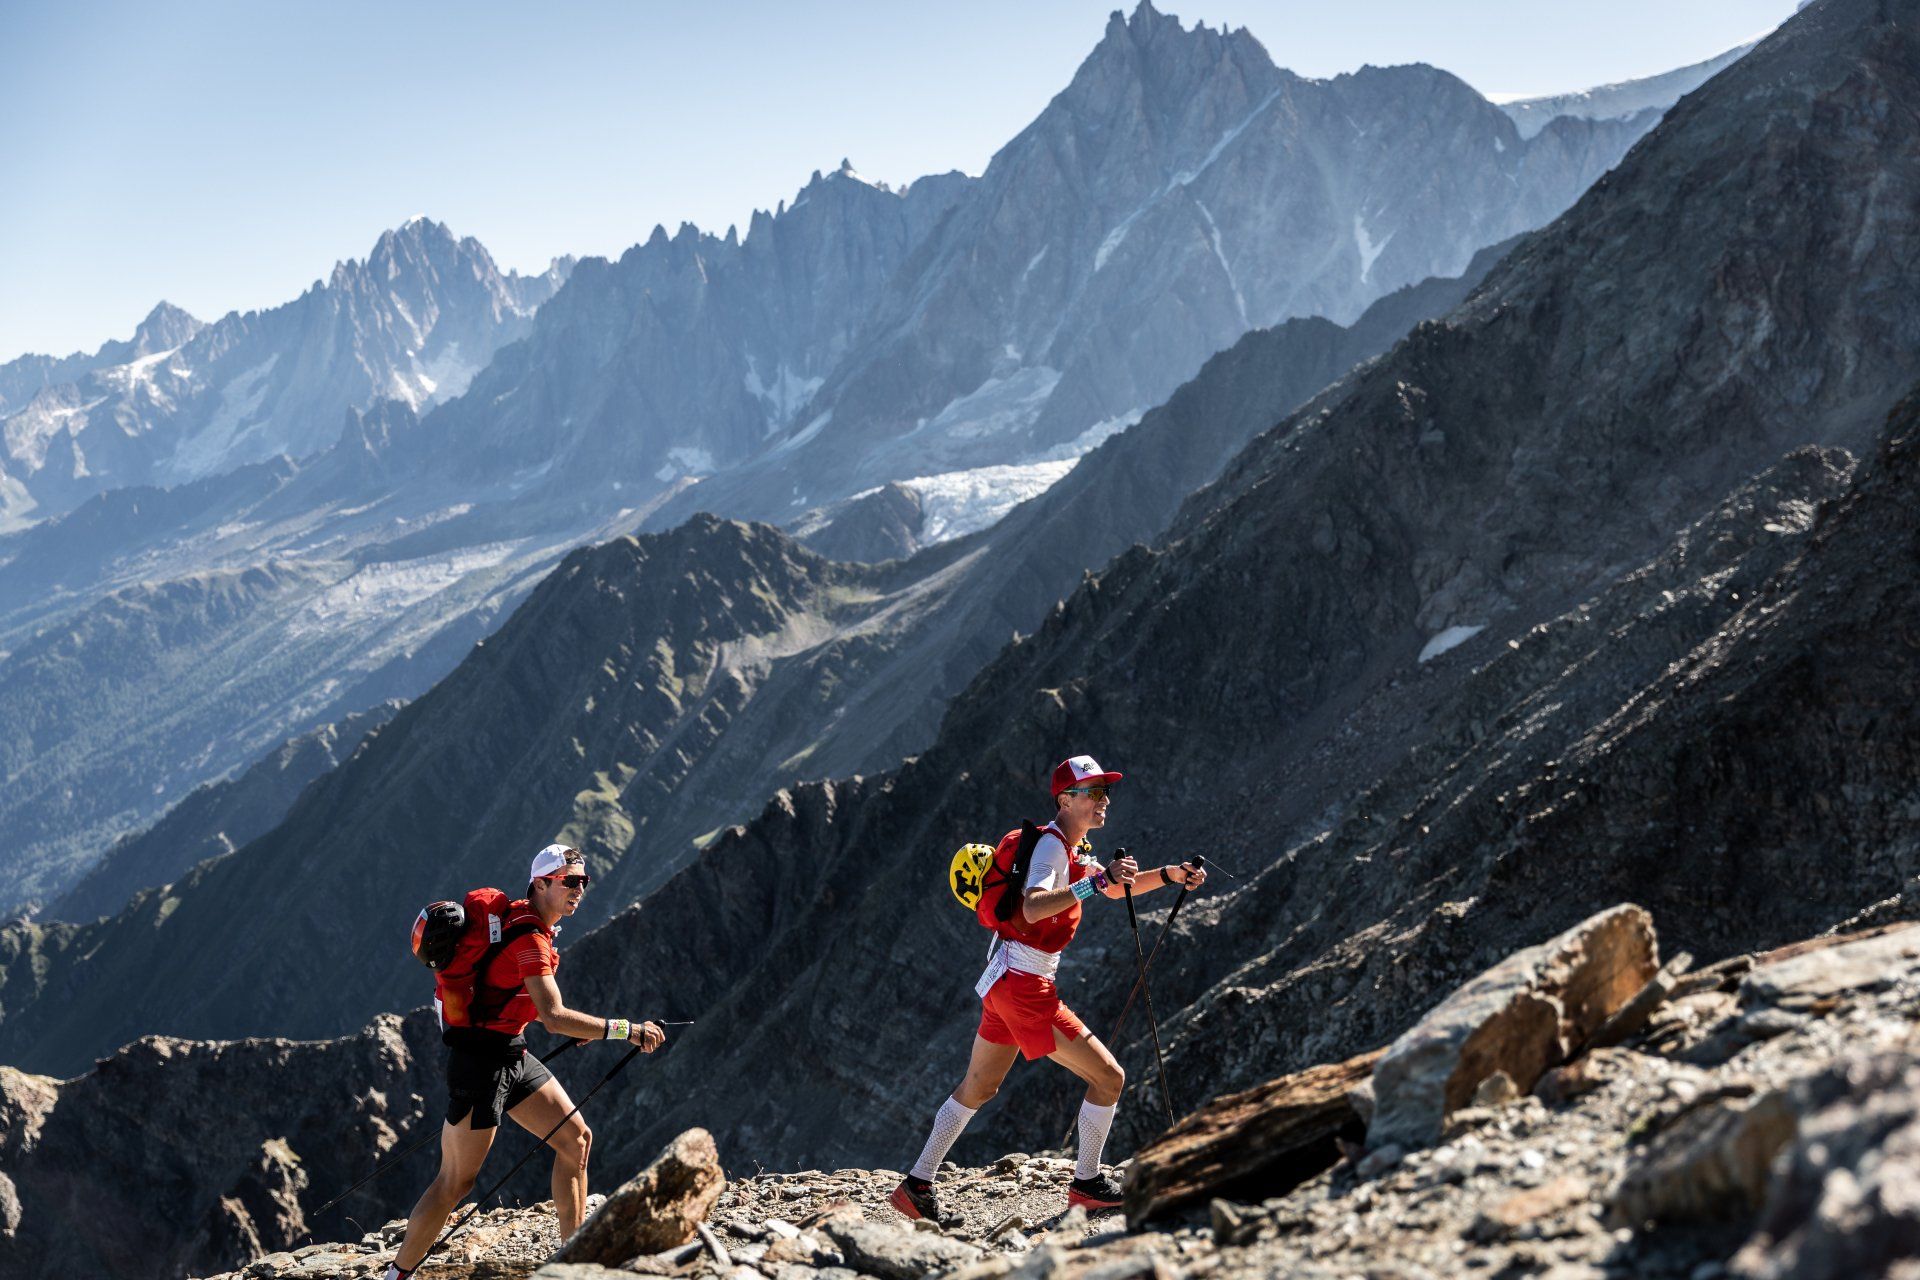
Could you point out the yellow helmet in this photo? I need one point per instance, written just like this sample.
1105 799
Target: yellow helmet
967 871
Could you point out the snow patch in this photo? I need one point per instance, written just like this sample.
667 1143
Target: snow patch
1451 638
693 462
1184 178
206 450
811 430
376 592
962 502
1369 251
1226 140
1213 233
997 406
1114 238
449 374
29 431
1090 439
1531 113
785 396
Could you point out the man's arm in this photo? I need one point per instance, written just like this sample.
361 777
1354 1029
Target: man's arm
1038 904
562 1021
1147 881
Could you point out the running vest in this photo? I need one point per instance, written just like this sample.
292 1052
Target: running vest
465 991
1057 930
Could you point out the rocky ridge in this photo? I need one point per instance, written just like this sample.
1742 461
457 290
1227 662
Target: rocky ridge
1687 1146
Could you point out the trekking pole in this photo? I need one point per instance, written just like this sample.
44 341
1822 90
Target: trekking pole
1140 965
393 1161
1199 863
481 1202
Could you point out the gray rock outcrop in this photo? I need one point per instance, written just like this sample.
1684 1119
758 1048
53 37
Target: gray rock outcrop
1519 1018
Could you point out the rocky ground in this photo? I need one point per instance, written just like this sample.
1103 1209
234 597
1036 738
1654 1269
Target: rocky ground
1757 1119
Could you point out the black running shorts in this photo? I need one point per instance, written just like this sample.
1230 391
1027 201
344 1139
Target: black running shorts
490 1080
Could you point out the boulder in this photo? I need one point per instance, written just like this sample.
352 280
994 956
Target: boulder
1710 1164
1637 1012
891 1251
1806 978
1269 1138
657 1209
1845 1197
1523 1016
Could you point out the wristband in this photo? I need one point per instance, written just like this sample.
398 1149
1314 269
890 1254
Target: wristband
618 1029
1166 873
1083 889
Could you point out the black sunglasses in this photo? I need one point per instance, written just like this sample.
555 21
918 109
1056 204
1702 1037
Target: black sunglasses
572 882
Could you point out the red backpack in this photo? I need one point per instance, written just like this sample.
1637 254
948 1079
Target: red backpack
459 941
1012 859
1000 884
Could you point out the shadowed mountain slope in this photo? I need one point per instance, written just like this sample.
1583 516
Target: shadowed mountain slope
782 665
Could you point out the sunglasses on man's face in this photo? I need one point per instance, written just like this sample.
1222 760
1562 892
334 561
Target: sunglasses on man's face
572 882
1098 793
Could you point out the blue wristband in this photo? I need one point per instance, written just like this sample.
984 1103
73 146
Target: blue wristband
1083 889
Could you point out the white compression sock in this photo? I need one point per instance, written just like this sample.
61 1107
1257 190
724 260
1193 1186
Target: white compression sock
946 1127
1094 1123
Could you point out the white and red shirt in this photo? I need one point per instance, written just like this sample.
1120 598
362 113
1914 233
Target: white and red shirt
1054 866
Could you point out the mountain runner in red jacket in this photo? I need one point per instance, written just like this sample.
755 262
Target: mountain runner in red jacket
491 1074
1021 1011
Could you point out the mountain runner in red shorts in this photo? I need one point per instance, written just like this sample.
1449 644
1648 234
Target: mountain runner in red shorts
1021 1011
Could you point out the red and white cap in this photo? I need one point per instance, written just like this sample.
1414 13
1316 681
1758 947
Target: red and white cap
549 860
1080 771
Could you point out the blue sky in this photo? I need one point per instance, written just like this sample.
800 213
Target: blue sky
224 154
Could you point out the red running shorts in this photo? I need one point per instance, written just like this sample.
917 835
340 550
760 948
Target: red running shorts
1023 1010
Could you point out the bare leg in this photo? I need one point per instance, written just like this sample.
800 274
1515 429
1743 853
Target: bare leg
571 1142
462 1149
987 1066
1089 1059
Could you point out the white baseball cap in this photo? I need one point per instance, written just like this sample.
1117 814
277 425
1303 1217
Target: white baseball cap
549 860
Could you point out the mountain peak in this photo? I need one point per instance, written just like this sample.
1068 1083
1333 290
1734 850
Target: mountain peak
417 230
1157 49
165 327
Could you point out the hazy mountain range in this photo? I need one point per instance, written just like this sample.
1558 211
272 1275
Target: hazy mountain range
963 339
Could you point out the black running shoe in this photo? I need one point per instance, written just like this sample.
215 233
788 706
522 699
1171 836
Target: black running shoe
1096 1194
915 1199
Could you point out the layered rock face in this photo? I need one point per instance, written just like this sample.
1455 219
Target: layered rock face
684 356
265 1125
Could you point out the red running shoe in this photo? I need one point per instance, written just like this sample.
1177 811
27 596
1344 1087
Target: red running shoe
915 1199
1096 1194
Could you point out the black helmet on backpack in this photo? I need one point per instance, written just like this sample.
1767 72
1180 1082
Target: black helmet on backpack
436 933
